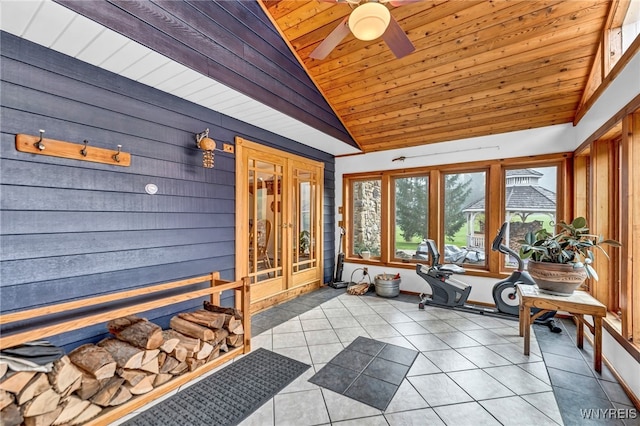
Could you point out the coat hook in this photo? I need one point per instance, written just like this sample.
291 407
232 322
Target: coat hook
39 144
116 156
83 151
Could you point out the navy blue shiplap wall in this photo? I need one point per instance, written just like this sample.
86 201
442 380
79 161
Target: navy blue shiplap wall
73 229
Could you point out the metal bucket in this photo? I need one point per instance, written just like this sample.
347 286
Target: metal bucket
387 286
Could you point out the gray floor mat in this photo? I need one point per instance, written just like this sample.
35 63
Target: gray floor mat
367 370
228 396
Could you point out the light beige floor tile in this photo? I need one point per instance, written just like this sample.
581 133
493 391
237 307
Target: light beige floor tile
321 337
374 319
422 366
341 407
436 326
483 357
456 339
377 331
315 324
263 416
469 414
439 389
449 360
423 417
314 313
427 342
518 380
321 354
344 322
348 335
288 340
301 383
514 353
503 409
545 402
398 341
485 337
299 353
291 326
479 384
410 328
406 398
538 369
300 408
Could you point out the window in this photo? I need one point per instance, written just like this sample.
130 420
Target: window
388 214
464 218
366 202
530 204
411 210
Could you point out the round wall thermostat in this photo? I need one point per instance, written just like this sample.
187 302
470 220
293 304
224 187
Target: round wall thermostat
151 188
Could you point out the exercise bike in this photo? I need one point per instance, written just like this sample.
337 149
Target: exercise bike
448 292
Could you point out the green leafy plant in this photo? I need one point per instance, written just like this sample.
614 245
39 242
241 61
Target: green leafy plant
304 241
572 245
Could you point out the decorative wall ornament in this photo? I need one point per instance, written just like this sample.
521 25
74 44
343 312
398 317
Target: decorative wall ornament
207 145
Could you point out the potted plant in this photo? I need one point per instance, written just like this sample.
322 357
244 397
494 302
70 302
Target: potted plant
559 263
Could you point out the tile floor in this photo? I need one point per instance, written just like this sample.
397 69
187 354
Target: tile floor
470 370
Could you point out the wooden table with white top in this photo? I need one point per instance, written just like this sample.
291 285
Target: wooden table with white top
579 304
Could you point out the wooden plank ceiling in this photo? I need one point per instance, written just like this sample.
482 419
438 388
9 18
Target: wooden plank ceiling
480 67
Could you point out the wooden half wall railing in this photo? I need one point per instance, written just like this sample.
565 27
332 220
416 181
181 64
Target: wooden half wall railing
217 286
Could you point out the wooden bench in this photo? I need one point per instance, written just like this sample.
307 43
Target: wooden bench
215 288
579 304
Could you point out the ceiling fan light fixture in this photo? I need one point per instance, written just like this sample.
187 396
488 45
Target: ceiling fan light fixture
369 21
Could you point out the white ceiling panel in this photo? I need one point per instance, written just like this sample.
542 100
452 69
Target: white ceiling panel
106 44
16 15
52 25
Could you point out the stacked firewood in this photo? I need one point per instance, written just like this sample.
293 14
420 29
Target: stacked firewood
139 357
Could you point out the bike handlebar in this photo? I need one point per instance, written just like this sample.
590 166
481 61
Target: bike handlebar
498 246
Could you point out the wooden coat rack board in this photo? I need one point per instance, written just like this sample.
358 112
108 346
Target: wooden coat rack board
83 152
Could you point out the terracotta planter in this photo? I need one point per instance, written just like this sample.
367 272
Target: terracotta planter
556 278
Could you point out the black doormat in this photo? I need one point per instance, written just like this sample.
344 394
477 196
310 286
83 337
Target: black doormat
227 396
369 371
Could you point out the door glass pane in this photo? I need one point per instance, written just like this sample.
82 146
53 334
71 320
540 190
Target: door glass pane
464 219
366 202
411 201
305 217
265 220
530 204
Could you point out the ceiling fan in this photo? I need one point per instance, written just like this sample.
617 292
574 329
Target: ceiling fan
368 20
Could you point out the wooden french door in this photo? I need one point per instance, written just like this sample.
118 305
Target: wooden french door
278 222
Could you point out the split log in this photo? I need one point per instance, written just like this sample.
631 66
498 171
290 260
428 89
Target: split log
38 384
132 377
150 354
88 387
15 382
63 374
121 396
151 366
5 399
358 289
235 340
72 388
224 347
125 354
89 413
4 367
179 353
71 406
189 343
169 364
107 392
193 363
46 402
180 369
162 357
137 331
190 329
143 386
95 360
161 379
45 419
11 416
233 324
230 311
169 343
215 353
204 318
220 335
204 352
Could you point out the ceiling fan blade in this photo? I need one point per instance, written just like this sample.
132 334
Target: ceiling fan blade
397 40
332 40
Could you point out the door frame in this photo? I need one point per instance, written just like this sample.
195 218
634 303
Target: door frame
312 281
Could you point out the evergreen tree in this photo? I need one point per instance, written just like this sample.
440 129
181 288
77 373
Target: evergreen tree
456 193
412 206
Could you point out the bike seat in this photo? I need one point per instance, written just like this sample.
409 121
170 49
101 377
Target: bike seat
454 269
